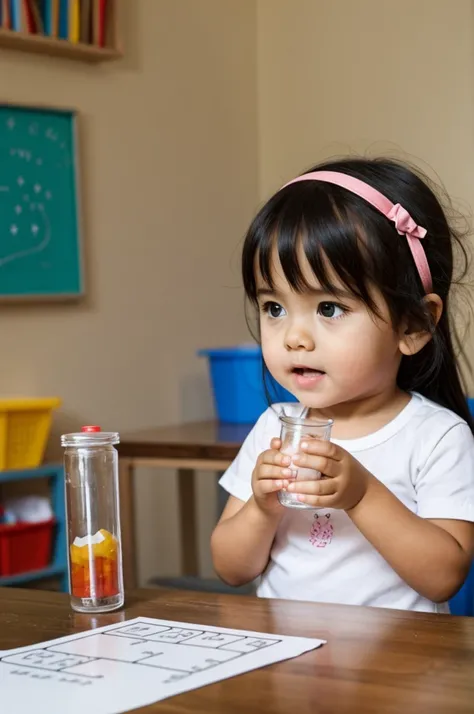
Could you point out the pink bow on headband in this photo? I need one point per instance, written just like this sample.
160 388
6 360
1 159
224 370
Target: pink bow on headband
404 223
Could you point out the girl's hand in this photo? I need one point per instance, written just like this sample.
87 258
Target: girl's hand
271 473
344 481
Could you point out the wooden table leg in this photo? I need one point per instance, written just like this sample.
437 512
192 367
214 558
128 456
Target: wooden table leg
222 495
188 522
127 521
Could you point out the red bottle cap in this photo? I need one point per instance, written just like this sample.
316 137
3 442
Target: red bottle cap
91 429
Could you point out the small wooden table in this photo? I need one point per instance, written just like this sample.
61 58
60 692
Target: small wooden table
206 445
375 661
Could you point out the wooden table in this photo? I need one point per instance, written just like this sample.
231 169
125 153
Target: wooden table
206 445
376 661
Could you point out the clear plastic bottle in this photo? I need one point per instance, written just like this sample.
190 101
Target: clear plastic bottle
294 430
93 520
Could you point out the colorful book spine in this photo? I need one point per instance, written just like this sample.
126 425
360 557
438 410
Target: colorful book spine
63 28
55 17
100 7
6 15
15 9
102 11
74 20
28 22
85 21
36 13
50 12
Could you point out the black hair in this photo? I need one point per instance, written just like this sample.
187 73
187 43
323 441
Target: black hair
342 234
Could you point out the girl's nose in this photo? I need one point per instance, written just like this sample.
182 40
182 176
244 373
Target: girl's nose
299 338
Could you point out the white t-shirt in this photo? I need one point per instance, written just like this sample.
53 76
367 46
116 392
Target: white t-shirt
425 456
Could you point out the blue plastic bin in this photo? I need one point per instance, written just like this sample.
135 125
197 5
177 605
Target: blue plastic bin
238 385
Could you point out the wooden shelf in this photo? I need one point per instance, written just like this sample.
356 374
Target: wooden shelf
58 567
55 570
54 47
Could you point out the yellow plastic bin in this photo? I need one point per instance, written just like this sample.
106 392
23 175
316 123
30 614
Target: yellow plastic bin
25 425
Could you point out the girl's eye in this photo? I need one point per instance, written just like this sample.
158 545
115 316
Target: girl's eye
331 310
273 309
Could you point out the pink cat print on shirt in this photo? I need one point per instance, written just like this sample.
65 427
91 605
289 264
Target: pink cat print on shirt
321 530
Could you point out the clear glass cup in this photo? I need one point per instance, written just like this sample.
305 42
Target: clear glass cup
93 520
294 430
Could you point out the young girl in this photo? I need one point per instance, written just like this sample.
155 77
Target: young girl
350 267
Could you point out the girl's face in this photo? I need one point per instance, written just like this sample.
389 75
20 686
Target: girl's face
328 351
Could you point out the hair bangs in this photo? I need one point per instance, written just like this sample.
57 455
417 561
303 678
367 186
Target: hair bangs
313 225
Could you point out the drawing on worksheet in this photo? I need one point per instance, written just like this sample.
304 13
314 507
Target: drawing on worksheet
128 665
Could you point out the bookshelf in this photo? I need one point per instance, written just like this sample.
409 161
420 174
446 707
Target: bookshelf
58 567
32 36
54 47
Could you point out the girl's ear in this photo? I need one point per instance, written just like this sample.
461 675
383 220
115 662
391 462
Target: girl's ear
412 341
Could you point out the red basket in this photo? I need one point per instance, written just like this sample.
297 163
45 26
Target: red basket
25 547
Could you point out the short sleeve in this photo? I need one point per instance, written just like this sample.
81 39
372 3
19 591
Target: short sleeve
445 484
237 480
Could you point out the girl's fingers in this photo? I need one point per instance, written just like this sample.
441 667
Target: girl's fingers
319 501
318 447
266 472
275 444
273 457
324 465
272 485
320 487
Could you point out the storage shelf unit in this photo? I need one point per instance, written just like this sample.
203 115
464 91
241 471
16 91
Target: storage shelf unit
58 566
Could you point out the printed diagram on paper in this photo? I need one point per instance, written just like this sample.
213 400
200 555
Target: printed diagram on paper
131 664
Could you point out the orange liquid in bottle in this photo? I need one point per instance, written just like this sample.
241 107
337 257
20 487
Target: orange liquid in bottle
94 568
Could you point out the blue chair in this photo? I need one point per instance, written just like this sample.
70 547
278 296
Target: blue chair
463 602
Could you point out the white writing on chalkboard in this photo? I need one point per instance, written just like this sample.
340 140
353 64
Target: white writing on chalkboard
34 229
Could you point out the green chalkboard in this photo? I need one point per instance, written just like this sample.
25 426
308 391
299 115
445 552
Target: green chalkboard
40 242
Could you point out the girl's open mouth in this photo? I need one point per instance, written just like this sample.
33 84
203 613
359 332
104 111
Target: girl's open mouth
306 376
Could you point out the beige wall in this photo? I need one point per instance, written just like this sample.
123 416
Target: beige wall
336 76
367 76
170 181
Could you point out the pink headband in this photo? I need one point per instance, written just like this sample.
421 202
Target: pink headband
404 223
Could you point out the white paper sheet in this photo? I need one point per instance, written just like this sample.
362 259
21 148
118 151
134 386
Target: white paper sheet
128 665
